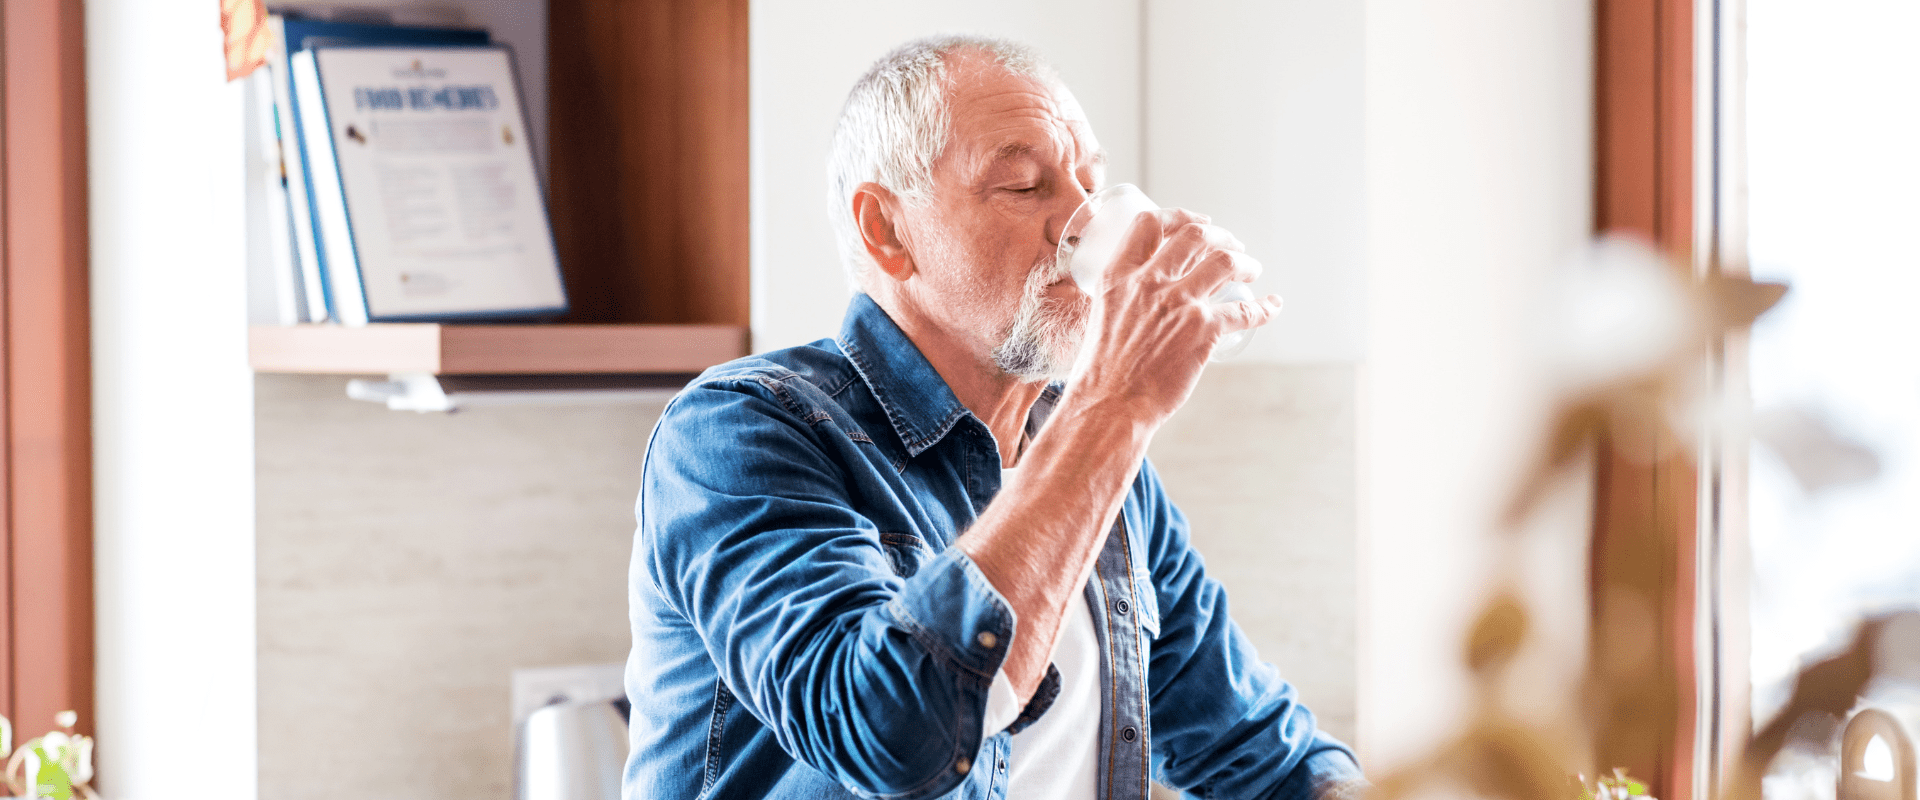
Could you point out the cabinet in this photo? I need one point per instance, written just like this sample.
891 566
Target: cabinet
647 124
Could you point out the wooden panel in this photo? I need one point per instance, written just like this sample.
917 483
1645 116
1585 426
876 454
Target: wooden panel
1642 572
649 158
1643 170
49 491
1643 559
8 649
496 349
586 348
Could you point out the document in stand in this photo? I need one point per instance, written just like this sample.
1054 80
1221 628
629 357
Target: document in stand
427 202
291 34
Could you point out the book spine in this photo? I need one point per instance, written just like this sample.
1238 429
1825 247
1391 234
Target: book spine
329 196
299 186
279 268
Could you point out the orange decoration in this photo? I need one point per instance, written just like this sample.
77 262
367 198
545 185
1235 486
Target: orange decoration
244 22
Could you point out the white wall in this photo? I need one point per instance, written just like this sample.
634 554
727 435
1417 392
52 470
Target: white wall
1255 117
173 406
1478 148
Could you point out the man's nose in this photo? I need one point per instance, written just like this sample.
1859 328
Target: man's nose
1060 211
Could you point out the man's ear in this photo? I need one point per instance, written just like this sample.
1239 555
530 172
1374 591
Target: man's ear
876 212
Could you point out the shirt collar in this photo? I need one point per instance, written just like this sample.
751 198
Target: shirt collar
918 402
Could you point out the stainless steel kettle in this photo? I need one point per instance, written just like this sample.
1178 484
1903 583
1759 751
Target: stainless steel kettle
571 751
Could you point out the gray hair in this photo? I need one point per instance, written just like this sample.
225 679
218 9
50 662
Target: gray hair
895 125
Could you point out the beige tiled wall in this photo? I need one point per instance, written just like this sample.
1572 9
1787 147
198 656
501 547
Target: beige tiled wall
408 562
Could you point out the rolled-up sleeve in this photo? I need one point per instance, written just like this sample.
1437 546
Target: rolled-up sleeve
876 681
1225 724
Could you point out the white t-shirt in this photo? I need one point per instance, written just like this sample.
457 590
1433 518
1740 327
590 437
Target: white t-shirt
1058 755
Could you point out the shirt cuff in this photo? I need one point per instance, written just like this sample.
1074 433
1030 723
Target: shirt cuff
1004 709
953 610
1333 774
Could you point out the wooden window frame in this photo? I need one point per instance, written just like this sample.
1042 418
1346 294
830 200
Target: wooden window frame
46 445
1668 146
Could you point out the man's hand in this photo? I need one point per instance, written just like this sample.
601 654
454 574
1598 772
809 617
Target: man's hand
1152 325
1150 333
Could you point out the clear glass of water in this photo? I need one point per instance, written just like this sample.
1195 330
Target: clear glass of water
1095 233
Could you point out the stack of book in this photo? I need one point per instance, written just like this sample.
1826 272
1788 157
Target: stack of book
391 179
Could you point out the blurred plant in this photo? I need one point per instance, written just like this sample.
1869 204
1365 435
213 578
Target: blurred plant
1885 646
1630 336
1615 787
1627 338
1818 456
57 765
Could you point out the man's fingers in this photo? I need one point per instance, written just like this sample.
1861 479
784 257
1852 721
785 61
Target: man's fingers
1174 238
1243 314
1171 218
1188 248
1219 267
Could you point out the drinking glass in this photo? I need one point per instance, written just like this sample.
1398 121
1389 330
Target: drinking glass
1094 235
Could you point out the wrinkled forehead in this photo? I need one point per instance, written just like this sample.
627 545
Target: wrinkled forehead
994 112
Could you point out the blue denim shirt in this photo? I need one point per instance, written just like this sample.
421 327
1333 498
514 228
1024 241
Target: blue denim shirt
803 627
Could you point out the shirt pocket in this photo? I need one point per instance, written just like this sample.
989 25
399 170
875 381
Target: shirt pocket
1146 597
905 552
1148 605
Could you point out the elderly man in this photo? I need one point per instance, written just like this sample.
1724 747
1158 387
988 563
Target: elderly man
906 562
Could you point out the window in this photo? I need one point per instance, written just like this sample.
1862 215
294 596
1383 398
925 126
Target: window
1834 469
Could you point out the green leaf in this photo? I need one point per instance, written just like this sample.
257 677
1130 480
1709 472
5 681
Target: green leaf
51 779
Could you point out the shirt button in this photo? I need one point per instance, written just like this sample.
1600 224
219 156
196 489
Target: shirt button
1120 607
1128 733
1003 765
962 765
986 640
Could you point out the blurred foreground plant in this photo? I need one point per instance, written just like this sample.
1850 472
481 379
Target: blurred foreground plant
1627 337
57 765
1630 338
1613 787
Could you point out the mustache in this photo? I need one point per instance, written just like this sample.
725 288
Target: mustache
1046 272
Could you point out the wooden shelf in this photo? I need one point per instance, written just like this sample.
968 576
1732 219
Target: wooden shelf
493 349
648 195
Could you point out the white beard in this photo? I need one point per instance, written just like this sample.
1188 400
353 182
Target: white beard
1046 332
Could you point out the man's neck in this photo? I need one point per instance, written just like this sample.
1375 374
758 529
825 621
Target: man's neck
1000 400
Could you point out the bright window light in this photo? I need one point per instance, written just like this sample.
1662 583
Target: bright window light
1833 128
